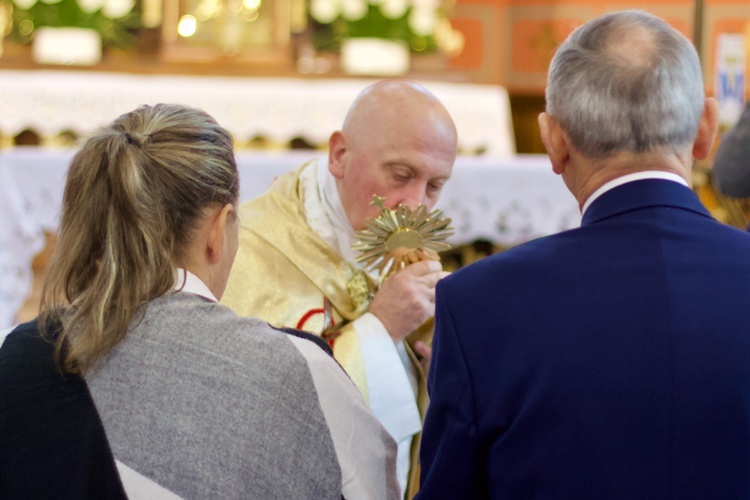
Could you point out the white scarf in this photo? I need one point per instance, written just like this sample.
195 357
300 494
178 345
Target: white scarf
324 211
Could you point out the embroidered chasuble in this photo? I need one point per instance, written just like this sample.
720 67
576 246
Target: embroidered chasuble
295 278
287 275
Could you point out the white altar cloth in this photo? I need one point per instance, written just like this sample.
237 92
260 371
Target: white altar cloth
280 109
506 201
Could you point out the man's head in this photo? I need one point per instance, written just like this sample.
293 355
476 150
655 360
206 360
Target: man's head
397 141
626 82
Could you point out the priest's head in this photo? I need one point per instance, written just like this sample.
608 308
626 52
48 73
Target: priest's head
397 141
625 93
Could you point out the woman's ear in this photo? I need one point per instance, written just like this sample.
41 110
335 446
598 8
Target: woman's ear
216 235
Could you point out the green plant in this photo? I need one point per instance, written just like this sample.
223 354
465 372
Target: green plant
423 25
115 20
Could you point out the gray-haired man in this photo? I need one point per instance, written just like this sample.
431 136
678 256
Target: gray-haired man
612 360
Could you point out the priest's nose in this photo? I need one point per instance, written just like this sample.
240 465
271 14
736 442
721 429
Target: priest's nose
413 196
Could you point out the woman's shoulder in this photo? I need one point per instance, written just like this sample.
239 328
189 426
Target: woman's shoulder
32 337
189 321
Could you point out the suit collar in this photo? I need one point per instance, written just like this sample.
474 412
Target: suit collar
634 176
639 194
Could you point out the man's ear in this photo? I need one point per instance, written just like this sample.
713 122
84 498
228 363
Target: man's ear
337 148
215 243
555 142
707 127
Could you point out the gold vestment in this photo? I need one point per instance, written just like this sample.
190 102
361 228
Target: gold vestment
287 275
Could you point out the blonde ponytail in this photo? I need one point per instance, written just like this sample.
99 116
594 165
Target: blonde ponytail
134 194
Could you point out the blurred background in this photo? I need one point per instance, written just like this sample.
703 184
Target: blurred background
501 42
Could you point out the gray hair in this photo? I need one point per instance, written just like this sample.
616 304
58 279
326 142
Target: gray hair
609 101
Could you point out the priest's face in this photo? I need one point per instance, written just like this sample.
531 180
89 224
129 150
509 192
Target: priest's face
406 163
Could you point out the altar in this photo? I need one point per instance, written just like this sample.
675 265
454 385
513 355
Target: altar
502 200
275 109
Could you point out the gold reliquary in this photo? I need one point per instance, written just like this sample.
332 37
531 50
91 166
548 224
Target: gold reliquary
399 237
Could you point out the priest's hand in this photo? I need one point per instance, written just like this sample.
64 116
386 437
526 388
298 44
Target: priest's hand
406 299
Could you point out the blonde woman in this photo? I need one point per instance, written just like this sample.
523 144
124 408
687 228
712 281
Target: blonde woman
135 381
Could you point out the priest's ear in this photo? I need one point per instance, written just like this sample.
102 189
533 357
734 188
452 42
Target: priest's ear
338 145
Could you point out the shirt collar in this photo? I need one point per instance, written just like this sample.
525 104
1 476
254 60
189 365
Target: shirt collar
637 176
188 282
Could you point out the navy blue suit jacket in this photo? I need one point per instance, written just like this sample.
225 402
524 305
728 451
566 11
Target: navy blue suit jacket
609 361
